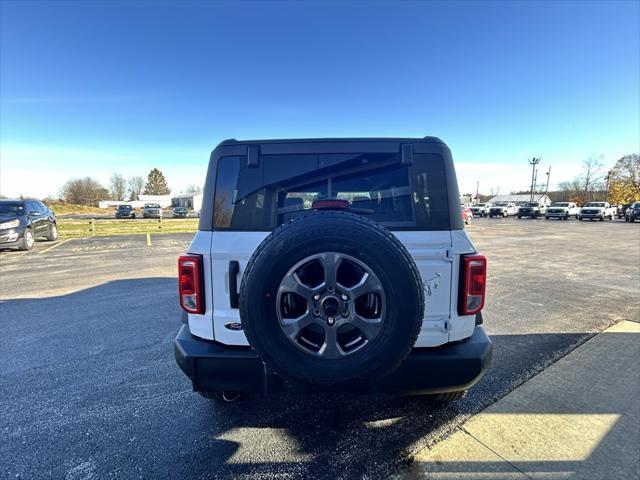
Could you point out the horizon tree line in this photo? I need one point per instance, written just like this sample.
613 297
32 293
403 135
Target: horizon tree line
89 191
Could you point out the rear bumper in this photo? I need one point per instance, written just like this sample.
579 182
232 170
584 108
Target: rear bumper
212 366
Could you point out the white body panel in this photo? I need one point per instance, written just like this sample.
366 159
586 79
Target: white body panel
437 256
508 210
596 212
572 210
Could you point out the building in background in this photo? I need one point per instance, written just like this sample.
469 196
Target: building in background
192 201
522 198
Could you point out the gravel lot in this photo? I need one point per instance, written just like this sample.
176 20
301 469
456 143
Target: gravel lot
90 388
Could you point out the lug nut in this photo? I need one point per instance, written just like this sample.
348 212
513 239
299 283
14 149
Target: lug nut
331 320
316 297
344 297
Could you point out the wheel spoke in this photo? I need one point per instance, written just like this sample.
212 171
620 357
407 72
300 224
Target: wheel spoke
292 327
330 348
292 283
368 327
330 262
367 284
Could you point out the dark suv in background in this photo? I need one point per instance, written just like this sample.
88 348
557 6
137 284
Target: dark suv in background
125 211
22 221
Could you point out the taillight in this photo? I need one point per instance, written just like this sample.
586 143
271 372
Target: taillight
189 281
474 281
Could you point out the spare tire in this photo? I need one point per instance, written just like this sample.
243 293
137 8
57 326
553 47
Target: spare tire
331 298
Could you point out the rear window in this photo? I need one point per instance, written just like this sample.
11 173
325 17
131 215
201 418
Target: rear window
376 185
12 208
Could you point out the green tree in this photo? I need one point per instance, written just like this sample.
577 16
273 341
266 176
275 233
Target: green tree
156 183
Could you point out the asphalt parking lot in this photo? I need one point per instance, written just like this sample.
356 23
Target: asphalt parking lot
90 388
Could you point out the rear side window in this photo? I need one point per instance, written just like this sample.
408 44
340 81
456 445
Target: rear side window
399 197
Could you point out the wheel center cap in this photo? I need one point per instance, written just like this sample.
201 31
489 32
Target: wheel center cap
331 306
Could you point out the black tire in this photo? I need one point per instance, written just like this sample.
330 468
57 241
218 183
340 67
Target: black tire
602 218
519 216
25 243
448 397
53 232
346 234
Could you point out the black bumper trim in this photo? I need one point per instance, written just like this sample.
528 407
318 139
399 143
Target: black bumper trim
212 366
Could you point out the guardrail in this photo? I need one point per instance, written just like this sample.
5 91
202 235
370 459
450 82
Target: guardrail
101 227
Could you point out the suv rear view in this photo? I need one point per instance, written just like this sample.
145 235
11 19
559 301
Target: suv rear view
333 264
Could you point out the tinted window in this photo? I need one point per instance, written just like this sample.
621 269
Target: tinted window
249 210
11 208
376 185
40 207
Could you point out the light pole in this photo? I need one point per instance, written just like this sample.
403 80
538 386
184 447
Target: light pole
533 162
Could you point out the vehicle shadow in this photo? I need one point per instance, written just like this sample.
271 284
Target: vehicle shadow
96 369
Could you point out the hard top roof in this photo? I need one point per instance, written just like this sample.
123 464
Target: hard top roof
233 141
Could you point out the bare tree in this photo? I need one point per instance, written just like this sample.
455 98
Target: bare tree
192 189
84 191
117 187
136 186
591 177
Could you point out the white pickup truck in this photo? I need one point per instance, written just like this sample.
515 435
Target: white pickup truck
562 211
503 209
597 210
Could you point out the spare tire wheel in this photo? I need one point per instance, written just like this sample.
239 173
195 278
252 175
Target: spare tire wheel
331 298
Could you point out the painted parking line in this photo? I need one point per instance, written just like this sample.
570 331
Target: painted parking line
55 245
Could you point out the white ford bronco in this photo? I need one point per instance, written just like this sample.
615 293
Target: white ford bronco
332 265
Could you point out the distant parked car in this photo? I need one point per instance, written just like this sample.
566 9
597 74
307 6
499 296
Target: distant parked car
152 210
125 211
562 211
22 221
502 209
532 209
467 215
633 213
180 212
622 210
480 209
597 211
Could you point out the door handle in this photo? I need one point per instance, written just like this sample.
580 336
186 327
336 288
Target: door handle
234 269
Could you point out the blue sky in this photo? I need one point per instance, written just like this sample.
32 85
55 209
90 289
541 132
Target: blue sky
91 88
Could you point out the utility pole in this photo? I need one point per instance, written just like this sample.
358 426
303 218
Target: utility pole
477 189
606 197
546 189
533 162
